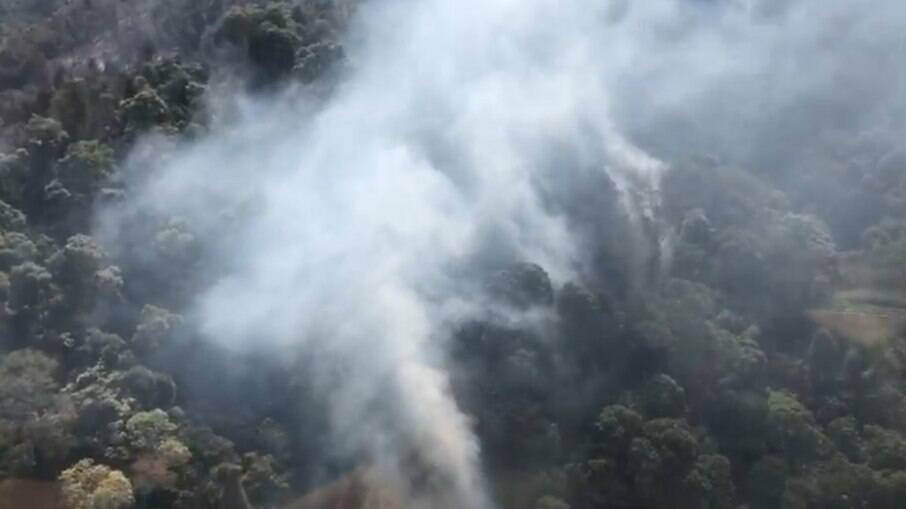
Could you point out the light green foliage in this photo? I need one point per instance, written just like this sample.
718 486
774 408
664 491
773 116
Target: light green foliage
317 59
741 237
160 470
890 491
13 175
792 428
46 132
662 396
207 446
176 254
263 482
578 306
844 434
86 105
803 234
15 249
4 287
80 258
11 219
28 383
150 389
737 419
36 422
109 283
825 356
886 243
669 472
110 396
888 179
674 442
520 370
589 330
779 256
147 430
89 486
144 109
174 452
693 245
273 438
660 463
109 402
279 39
268 34
886 449
176 244
645 468
766 482
104 407
78 269
110 349
156 328
696 228
711 480
273 48
522 285
740 353
549 502
86 167
727 196
615 428
68 104
241 23
30 287
704 344
835 484
179 85
679 318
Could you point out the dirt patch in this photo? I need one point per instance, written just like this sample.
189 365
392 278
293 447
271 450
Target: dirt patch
20 494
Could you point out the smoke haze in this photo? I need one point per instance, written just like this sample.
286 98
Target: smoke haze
459 140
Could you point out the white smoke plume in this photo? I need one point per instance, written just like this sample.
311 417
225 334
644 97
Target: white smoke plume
364 209
353 222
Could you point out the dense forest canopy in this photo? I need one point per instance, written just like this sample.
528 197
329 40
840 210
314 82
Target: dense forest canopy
470 254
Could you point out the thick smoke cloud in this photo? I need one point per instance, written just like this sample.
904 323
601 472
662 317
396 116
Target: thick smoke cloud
354 229
799 92
763 83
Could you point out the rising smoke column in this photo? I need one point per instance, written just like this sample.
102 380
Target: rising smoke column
362 217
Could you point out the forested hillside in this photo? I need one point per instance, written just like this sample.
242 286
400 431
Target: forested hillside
701 329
